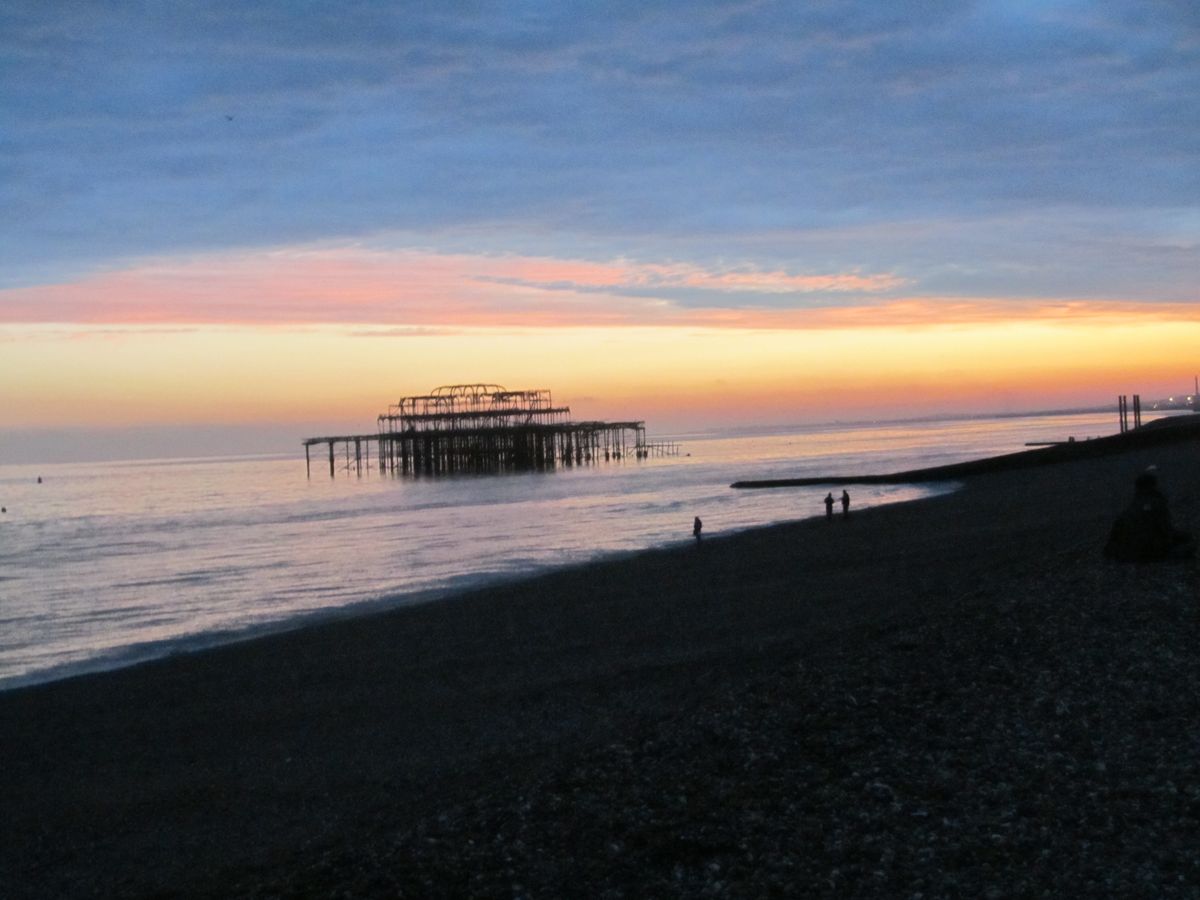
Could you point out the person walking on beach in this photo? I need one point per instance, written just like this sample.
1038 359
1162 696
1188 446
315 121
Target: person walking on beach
829 506
697 525
845 504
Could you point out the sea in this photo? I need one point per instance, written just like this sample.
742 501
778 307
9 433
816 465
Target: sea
108 564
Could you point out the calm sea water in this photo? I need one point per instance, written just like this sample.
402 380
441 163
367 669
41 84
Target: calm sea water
107 564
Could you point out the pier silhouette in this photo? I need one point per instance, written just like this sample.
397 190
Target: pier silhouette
484 429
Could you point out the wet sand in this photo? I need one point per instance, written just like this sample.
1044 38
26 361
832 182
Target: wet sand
534 738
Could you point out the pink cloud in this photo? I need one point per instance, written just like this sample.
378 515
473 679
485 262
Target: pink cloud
628 276
412 289
771 282
313 286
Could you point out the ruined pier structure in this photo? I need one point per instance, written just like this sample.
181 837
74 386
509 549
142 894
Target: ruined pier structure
484 428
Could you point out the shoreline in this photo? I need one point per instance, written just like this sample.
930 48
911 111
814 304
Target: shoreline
137 655
418 749
130 656
53 667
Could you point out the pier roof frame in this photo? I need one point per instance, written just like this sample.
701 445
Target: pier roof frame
467 399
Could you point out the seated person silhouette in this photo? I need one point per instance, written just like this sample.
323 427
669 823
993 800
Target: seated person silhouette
1144 532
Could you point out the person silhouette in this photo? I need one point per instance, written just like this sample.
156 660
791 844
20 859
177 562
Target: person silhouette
829 505
697 525
845 504
1144 531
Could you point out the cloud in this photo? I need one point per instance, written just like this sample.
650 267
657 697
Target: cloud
307 285
647 279
416 293
774 135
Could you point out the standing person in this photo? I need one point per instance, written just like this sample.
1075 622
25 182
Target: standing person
829 505
845 504
697 525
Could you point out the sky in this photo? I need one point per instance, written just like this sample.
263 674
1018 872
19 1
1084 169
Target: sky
289 214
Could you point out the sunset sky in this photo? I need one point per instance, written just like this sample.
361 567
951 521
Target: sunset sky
706 214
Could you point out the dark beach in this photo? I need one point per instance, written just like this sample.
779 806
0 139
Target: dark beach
956 697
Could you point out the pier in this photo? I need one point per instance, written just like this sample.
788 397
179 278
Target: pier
483 429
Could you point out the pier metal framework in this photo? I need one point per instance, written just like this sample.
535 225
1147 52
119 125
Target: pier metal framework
484 428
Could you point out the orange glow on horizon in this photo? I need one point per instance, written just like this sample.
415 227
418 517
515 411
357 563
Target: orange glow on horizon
670 376
334 334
